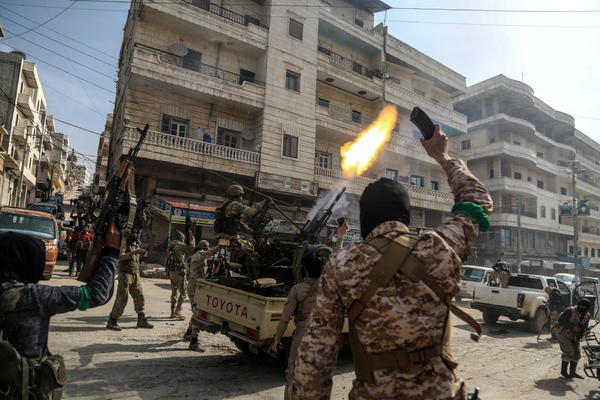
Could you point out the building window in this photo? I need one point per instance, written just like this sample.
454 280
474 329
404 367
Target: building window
465 144
229 138
593 251
570 249
323 102
540 184
491 173
391 173
359 22
540 155
323 160
528 179
585 251
598 252
492 140
295 29
505 239
175 126
543 211
517 175
435 185
292 81
290 146
516 142
417 180
563 191
356 116
553 213
17 120
192 61
578 250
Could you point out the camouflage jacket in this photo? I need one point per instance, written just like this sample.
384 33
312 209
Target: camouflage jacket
236 210
130 263
402 315
198 263
568 320
176 254
299 303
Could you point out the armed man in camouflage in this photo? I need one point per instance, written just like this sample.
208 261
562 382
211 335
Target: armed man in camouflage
175 266
197 271
129 281
231 213
572 325
399 321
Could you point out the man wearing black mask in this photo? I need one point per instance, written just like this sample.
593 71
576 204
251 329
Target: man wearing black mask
26 308
572 326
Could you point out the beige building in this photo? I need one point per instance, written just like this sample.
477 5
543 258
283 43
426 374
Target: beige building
265 95
100 174
82 175
60 153
26 131
522 150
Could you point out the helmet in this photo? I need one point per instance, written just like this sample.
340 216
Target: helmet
235 190
180 235
204 244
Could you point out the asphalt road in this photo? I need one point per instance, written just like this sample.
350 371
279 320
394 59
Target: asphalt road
507 363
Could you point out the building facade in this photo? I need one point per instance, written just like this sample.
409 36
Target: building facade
101 171
265 95
26 131
523 151
82 175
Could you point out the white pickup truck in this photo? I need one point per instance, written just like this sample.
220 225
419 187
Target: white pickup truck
525 299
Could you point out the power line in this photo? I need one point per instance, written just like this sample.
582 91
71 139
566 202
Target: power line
72 9
66 58
492 24
57 41
40 24
63 35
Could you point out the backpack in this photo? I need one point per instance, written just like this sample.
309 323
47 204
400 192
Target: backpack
221 222
23 378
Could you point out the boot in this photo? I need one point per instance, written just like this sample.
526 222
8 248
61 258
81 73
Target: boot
112 324
172 312
143 322
178 314
195 346
188 334
572 372
563 369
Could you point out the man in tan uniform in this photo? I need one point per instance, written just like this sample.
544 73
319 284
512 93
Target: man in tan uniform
129 281
571 327
501 274
197 271
402 326
175 266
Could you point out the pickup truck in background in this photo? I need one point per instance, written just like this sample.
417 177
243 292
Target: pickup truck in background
471 276
525 299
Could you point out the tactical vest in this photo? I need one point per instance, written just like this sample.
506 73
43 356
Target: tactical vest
396 257
575 319
227 225
23 378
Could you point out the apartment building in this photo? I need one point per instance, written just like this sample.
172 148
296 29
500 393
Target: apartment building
58 173
100 173
82 175
265 94
26 130
523 151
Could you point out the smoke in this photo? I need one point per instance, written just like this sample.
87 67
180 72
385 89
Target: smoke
345 207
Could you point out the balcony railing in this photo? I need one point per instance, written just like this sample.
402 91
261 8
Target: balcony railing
509 210
205 69
349 65
195 146
343 114
226 13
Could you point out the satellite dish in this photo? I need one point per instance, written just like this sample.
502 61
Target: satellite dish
178 49
248 134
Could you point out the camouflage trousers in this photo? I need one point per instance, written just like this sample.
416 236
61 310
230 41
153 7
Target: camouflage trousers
289 372
191 290
569 347
177 288
128 283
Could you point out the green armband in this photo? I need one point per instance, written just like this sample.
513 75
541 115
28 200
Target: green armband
474 211
85 298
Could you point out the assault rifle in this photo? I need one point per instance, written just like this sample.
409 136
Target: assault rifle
115 209
312 228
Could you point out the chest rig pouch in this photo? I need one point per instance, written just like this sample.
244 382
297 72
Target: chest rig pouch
23 378
397 257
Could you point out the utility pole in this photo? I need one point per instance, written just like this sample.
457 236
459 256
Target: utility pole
25 154
574 171
519 238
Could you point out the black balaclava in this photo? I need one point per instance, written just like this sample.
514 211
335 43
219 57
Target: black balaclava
583 306
383 200
22 257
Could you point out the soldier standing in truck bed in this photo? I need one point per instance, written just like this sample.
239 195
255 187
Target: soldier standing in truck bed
175 266
399 315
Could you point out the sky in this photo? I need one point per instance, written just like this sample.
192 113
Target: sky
557 54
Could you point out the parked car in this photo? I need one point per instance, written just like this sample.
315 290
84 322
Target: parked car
50 208
35 223
590 279
471 276
571 280
55 199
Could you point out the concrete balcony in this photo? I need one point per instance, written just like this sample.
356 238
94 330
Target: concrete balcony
26 104
47 142
172 149
589 237
348 75
407 99
529 220
419 196
511 185
50 123
208 82
330 25
589 187
209 21
337 120
31 74
494 149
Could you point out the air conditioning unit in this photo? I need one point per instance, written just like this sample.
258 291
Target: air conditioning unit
386 76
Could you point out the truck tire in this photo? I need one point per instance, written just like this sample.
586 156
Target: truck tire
490 317
242 346
536 324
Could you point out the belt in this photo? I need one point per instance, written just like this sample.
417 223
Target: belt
401 359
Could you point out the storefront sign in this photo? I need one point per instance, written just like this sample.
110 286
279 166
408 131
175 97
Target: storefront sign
285 184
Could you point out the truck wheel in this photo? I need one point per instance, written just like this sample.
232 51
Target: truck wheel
490 317
242 346
536 324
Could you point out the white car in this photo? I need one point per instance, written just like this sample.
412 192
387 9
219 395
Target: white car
471 276
571 280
